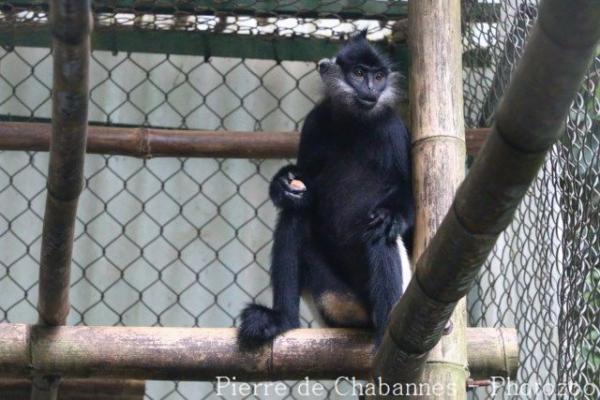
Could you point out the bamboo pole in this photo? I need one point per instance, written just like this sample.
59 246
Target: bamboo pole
71 50
438 145
204 353
78 389
529 121
151 142
70 21
14 350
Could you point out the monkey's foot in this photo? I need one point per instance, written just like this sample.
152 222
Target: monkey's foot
260 325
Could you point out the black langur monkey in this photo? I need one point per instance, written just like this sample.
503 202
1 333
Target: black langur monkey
343 206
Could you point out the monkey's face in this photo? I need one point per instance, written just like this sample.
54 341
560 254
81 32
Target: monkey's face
368 83
359 78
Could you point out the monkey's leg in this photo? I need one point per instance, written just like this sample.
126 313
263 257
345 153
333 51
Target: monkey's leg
261 324
385 282
336 302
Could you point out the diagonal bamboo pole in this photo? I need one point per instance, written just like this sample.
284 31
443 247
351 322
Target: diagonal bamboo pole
70 21
528 122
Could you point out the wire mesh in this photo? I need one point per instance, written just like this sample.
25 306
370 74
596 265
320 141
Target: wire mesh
186 242
542 277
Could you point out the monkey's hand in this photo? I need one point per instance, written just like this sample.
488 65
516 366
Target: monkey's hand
384 225
288 189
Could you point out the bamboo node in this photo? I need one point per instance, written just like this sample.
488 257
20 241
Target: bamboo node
144 147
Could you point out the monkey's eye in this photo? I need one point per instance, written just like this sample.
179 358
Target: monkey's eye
379 76
359 72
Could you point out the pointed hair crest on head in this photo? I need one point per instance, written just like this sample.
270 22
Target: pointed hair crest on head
362 34
358 50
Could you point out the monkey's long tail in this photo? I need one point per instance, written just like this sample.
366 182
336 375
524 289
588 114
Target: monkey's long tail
260 324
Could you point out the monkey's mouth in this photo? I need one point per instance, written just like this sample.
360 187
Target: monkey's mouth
367 103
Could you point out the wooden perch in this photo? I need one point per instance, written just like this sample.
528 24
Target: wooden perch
204 353
70 21
528 122
151 142
78 389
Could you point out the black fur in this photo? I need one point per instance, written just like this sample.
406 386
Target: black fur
339 235
282 195
260 323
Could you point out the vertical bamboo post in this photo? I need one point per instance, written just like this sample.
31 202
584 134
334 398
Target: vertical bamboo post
438 149
436 99
529 120
71 24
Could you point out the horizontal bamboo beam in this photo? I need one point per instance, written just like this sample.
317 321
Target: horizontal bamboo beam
529 121
198 43
181 42
151 142
262 47
303 8
78 389
204 353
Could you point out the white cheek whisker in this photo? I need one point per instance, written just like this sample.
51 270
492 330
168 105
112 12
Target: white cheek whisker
389 96
339 90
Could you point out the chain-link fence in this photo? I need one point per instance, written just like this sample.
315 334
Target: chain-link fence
186 242
543 277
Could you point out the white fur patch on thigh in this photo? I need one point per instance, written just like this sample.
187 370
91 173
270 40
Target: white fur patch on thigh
405 262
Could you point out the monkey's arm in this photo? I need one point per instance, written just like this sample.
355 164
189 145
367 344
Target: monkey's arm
292 187
394 214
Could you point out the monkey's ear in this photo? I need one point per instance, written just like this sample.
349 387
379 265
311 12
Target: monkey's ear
324 65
